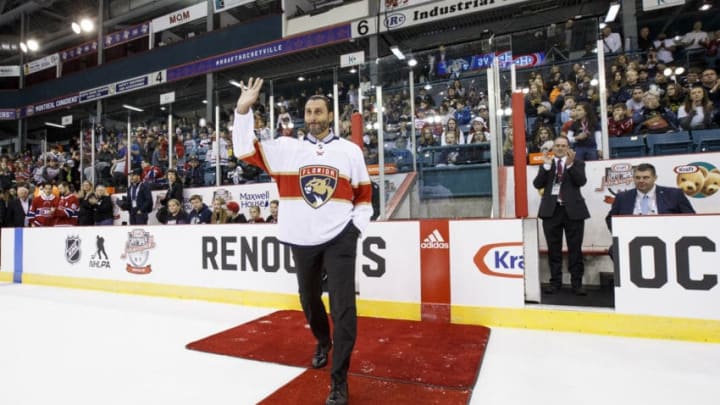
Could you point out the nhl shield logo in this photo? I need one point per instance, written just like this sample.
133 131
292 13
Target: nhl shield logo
137 251
72 249
318 184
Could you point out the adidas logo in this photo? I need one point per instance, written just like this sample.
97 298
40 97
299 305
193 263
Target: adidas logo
434 241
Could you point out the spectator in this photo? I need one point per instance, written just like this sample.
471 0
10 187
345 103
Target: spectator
543 135
273 217
563 210
584 133
611 40
712 85
665 48
427 138
255 217
139 199
635 104
567 109
674 97
508 146
478 131
452 128
176 215
66 213
711 53
151 174
644 41
86 215
175 188
694 39
219 214
619 123
654 118
234 215
698 110
195 175
102 206
42 211
16 215
200 213
402 155
234 173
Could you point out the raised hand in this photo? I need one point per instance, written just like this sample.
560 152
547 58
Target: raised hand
569 158
248 95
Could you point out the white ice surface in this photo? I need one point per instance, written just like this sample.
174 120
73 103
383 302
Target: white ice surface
64 346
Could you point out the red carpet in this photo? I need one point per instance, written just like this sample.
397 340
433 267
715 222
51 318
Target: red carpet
442 355
311 387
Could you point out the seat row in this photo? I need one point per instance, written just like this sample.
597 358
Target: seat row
705 140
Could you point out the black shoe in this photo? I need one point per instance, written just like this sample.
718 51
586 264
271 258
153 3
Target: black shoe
320 358
552 289
338 394
579 291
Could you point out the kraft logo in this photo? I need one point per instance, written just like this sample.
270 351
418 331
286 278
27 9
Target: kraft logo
434 241
501 260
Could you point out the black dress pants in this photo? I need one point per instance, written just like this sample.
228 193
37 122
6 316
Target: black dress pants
337 258
573 228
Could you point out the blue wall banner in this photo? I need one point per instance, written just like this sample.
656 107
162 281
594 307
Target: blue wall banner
260 52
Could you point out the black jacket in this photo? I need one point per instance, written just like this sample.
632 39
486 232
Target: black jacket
14 214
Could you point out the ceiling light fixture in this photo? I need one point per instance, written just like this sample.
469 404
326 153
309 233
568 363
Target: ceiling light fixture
76 27
132 108
52 124
612 12
87 25
397 52
33 45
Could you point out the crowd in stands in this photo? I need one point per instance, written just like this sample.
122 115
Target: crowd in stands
670 84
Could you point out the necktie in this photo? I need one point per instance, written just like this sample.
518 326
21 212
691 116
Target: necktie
645 205
559 169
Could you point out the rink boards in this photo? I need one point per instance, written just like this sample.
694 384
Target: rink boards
465 271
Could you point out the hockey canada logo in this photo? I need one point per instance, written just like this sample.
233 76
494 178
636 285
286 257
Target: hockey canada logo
99 259
434 241
318 184
72 249
137 251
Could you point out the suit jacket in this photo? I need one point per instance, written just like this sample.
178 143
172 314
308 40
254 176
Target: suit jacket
143 198
15 215
574 178
174 191
669 200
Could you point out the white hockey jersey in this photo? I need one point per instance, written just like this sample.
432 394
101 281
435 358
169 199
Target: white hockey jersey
323 185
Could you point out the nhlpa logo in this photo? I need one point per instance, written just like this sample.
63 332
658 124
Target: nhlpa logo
501 260
137 251
318 184
434 241
72 249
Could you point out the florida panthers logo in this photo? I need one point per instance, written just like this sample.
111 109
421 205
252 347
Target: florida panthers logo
318 184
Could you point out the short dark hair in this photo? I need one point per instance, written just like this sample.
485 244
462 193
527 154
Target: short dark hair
562 137
328 103
644 167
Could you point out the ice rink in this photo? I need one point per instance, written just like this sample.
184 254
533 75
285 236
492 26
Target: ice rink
65 346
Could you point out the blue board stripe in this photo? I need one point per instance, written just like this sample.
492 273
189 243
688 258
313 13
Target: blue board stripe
18 259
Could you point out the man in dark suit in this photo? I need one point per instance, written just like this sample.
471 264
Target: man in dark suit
140 200
17 209
647 198
563 209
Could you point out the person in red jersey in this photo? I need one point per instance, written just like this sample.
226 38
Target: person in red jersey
42 210
66 213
